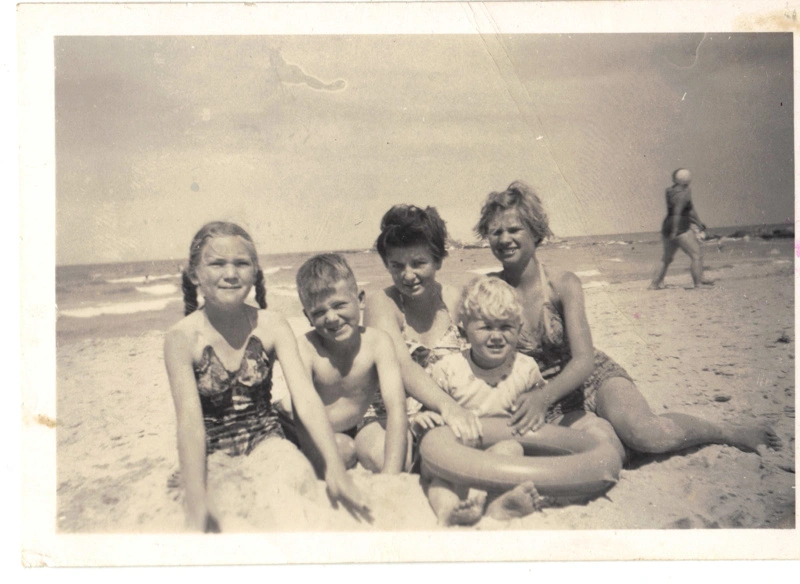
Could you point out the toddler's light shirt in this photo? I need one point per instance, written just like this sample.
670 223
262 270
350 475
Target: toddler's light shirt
464 381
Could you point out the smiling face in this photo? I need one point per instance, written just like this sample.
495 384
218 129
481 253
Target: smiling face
493 341
511 241
335 315
226 271
413 269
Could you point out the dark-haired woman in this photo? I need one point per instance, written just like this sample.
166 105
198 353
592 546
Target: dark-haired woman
417 311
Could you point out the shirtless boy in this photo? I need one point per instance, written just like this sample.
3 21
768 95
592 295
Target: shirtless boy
348 363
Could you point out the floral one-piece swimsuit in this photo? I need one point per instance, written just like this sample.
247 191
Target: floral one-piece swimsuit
549 346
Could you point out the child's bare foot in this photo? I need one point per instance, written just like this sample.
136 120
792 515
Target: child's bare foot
656 286
465 512
749 438
520 501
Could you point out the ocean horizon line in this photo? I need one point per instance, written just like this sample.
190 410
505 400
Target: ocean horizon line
753 229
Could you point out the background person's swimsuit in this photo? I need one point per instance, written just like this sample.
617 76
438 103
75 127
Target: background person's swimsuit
673 194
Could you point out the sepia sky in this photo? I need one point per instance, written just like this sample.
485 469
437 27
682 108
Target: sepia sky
307 140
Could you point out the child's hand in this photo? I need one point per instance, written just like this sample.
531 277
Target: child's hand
464 424
427 420
341 488
529 412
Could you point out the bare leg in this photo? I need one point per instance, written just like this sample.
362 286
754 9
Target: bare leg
455 504
370 447
670 247
347 449
594 426
689 244
619 402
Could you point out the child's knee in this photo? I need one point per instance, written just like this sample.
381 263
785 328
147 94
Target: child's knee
602 430
369 446
347 450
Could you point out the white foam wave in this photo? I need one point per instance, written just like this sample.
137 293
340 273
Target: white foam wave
160 290
588 273
268 271
142 279
482 271
120 308
615 259
596 284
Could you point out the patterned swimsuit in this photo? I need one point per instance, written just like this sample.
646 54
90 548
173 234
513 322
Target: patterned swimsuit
237 405
450 342
549 346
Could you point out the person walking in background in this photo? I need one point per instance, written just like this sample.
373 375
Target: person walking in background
677 232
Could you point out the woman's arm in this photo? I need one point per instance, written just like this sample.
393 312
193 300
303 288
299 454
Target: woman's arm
191 431
379 312
532 406
311 412
394 398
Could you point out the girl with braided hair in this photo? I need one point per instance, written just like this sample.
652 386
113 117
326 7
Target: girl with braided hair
219 360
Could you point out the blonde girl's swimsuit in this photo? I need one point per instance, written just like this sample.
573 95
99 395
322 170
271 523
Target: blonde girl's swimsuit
549 346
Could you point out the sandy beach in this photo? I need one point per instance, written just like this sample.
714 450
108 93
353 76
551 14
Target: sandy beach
725 353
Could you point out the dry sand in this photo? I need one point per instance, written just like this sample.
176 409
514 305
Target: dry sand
725 353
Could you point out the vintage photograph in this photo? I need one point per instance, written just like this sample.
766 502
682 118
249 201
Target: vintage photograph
508 280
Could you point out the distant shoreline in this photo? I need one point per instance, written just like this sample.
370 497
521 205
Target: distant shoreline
761 230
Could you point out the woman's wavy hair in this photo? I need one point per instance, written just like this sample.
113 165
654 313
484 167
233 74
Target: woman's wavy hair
521 197
206 233
409 225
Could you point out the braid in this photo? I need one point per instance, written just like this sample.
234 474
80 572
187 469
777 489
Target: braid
189 294
261 291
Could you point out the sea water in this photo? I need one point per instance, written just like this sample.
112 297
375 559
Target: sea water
134 297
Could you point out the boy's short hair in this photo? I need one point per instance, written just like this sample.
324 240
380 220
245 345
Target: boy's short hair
489 298
320 274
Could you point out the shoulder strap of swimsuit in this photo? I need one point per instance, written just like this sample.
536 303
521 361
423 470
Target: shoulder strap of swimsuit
545 283
547 305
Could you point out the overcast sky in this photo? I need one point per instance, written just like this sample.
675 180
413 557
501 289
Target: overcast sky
307 140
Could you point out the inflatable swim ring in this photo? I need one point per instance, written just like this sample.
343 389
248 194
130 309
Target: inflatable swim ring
560 461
